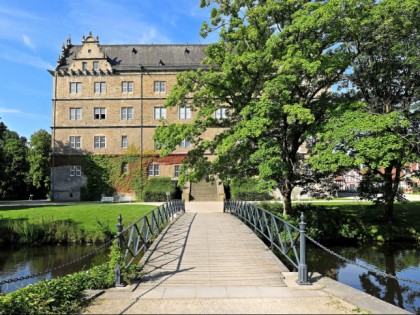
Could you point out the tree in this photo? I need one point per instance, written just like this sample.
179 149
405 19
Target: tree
380 126
39 158
272 69
14 166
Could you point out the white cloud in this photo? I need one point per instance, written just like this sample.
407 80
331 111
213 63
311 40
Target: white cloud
17 56
4 110
27 41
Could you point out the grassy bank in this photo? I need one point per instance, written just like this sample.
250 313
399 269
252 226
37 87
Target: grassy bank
82 222
356 221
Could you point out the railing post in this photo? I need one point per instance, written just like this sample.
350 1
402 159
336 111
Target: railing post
118 282
302 268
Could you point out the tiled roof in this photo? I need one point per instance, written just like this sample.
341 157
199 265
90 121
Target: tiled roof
152 57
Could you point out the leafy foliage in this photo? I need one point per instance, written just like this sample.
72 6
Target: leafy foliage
273 69
246 189
39 158
157 187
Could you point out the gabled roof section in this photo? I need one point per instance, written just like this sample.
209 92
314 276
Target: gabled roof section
131 57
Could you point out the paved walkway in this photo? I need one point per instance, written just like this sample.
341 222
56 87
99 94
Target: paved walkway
208 262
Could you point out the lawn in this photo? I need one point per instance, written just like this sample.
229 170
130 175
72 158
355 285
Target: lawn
88 215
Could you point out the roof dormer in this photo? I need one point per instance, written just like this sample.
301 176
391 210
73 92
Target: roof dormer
90 59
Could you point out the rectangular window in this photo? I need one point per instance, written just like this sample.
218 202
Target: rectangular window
99 142
160 86
153 170
127 87
96 65
220 113
75 87
75 113
75 142
126 113
75 170
184 113
185 144
159 113
99 113
100 87
124 142
84 66
176 170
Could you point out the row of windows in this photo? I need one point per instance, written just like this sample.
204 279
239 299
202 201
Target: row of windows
99 142
99 113
152 170
126 87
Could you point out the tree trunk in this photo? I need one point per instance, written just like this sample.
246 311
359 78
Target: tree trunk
389 195
286 191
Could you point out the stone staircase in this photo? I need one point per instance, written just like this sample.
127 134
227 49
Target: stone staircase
203 191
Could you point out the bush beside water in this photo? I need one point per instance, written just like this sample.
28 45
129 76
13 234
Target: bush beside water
64 295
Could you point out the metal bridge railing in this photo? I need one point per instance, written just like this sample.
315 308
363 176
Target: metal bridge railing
138 236
280 234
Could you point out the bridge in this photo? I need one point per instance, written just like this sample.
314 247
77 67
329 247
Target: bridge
208 261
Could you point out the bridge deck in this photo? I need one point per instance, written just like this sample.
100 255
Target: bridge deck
207 262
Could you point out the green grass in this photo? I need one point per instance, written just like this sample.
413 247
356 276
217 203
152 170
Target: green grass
86 215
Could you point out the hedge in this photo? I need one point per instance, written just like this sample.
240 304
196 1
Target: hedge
244 189
156 188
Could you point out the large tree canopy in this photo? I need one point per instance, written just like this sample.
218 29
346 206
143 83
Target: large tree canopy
380 126
39 158
273 69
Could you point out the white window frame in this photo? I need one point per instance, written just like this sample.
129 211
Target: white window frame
176 170
96 65
101 112
75 142
124 142
127 86
185 143
100 87
126 113
99 142
84 66
153 169
75 87
75 113
184 112
75 170
159 113
220 113
159 86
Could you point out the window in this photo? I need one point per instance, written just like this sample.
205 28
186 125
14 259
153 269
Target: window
160 86
176 170
127 113
160 113
100 87
84 66
75 170
127 87
75 113
99 113
75 142
96 65
184 113
124 167
153 169
124 142
185 144
75 87
99 142
220 113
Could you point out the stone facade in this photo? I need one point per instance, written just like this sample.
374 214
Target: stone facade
108 99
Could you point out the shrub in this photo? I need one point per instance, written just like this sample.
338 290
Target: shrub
244 189
157 187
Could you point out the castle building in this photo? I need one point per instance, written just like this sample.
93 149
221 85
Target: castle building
108 99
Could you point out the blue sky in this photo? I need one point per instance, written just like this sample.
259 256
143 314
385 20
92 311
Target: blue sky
33 31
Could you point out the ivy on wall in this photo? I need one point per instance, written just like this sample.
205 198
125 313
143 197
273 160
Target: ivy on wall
109 173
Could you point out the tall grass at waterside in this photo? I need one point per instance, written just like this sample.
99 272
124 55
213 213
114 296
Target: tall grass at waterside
47 231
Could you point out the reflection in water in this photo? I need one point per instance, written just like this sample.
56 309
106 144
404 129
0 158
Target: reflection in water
28 260
400 260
